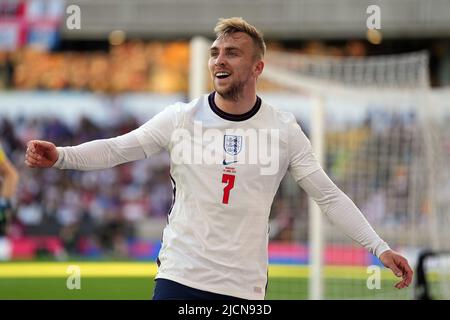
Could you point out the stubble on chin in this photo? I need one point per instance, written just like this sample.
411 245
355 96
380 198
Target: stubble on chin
231 94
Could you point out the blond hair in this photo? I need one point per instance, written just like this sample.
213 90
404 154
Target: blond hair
225 27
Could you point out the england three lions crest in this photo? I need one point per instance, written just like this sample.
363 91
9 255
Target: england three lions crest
232 144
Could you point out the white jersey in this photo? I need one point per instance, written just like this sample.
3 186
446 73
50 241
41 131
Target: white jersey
217 235
225 170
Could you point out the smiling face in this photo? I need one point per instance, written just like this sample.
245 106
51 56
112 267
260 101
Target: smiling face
234 65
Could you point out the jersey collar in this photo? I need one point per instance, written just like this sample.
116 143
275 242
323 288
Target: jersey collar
233 117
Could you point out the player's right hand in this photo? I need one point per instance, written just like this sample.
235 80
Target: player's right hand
40 154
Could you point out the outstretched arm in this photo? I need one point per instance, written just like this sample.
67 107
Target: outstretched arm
343 213
148 139
97 154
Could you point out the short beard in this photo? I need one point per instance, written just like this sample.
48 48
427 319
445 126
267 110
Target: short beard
233 93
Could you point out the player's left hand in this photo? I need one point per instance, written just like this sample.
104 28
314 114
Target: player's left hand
399 266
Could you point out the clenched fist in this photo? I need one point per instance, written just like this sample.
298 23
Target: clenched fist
40 154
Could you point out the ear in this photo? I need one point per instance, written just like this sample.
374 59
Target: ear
259 67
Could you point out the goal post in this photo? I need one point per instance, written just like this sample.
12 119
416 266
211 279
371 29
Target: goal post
198 77
316 236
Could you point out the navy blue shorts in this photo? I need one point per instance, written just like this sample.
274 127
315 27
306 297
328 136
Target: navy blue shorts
171 290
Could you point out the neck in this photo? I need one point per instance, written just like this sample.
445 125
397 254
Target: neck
244 103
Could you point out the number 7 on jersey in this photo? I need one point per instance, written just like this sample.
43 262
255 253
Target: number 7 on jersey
229 180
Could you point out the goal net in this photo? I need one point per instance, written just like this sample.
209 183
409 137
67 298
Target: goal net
384 139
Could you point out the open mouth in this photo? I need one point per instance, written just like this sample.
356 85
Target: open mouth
222 75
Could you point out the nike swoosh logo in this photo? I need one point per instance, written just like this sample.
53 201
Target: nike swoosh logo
227 163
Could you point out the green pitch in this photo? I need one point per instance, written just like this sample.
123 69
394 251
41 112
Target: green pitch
134 280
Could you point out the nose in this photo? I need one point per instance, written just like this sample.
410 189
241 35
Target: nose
220 61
